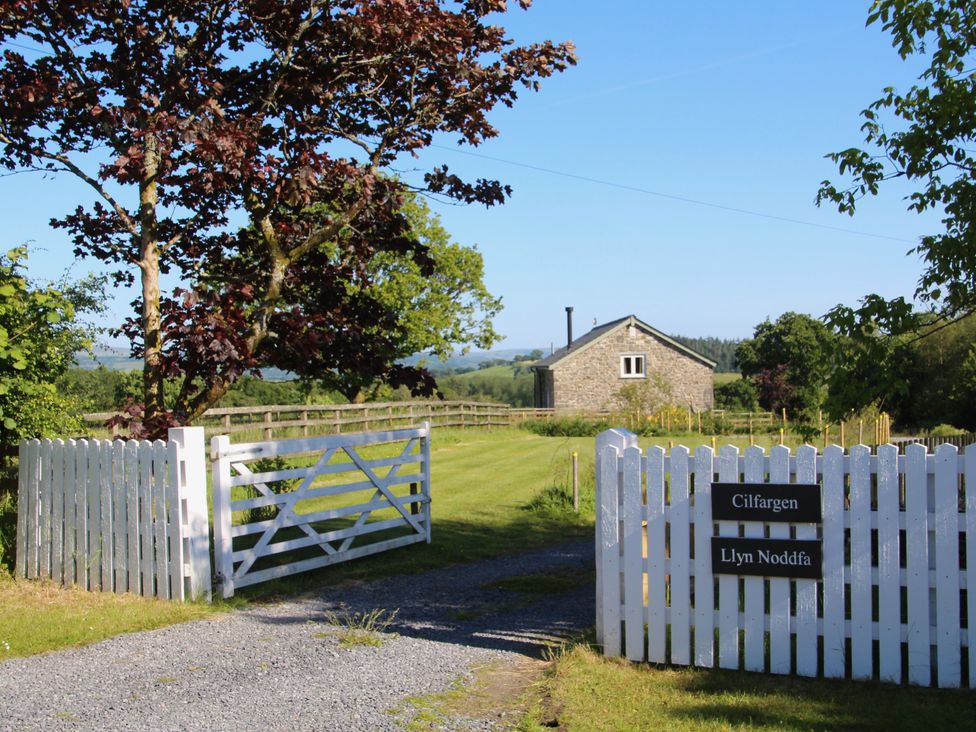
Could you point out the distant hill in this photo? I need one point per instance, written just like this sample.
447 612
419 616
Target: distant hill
720 350
117 359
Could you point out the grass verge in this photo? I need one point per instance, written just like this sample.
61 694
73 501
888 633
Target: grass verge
583 690
37 616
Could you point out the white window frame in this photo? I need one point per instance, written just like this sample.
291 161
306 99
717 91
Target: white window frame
632 358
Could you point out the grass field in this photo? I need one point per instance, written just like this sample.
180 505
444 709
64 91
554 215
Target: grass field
584 691
725 378
39 616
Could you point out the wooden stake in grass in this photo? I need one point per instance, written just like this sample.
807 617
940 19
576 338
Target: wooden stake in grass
826 435
860 432
576 482
782 436
842 440
713 443
784 419
699 423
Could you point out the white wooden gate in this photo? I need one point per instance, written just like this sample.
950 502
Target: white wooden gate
896 601
122 516
290 506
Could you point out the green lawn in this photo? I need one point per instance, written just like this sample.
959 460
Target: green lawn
584 691
725 378
38 616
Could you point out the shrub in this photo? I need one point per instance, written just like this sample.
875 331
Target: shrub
945 430
566 427
737 396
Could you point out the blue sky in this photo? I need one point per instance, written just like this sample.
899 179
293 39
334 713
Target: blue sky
730 104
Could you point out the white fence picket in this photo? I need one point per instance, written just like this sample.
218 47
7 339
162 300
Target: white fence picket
174 520
728 585
69 490
680 555
806 589
970 482
23 486
56 516
88 514
947 621
917 553
755 601
889 569
44 507
859 522
133 520
834 587
632 519
780 610
656 558
80 556
861 589
119 518
146 489
107 532
160 549
610 564
704 586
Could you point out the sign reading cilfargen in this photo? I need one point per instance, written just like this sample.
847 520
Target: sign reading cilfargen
787 502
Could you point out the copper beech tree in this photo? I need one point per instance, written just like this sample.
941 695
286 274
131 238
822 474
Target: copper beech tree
242 146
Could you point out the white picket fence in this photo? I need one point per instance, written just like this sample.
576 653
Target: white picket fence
122 516
313 515
899 559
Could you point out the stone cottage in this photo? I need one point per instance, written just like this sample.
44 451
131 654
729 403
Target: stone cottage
588 374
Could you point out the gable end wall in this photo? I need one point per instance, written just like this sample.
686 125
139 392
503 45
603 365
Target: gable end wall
591 379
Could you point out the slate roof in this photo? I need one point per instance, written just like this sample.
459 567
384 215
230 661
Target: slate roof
599 331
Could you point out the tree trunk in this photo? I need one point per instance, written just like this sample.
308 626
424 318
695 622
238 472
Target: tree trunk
152 374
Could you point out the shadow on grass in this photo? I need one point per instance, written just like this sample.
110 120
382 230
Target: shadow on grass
735 699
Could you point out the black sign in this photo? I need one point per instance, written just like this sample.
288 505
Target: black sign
789 502
767 557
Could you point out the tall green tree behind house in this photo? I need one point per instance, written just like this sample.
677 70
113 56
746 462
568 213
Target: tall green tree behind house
789 362
926 136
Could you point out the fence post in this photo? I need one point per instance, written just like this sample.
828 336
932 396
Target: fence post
195 529
223 540
607 526
425 448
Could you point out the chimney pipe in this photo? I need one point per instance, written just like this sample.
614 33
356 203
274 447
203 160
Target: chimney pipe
569 328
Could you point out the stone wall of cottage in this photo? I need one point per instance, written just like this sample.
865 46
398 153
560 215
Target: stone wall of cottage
591 380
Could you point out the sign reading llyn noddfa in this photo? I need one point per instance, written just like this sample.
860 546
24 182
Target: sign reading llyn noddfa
776 502
787 502
767 557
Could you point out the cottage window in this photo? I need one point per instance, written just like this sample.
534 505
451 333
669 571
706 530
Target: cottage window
632 366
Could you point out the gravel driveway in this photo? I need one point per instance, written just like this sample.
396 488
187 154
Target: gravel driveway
276 667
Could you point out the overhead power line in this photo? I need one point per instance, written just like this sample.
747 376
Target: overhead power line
671 197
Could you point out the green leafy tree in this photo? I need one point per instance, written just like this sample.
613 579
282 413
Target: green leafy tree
925 136
39 336
789 362
438 310
182 116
